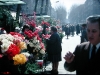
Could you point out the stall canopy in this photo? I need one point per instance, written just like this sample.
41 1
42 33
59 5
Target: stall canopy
11 2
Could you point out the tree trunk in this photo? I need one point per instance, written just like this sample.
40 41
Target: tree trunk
46 8
18 12
36 1
42 3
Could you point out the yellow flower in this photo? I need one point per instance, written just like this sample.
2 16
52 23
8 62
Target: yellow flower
22 45
19 59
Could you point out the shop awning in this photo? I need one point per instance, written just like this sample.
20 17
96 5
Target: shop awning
11 2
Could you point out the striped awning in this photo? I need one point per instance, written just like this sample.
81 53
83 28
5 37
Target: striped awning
11 2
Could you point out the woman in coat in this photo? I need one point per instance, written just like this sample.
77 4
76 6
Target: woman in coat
54 49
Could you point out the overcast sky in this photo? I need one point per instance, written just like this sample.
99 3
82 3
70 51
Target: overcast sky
66 3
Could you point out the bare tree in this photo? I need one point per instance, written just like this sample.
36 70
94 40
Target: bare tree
61 14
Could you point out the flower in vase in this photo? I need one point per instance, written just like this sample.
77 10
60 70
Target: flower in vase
19 59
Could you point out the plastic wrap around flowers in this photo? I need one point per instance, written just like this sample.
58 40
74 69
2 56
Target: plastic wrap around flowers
12 44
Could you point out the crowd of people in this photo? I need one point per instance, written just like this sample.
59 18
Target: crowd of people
71 30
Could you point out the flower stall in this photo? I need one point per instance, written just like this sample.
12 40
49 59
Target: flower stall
25 53
18 55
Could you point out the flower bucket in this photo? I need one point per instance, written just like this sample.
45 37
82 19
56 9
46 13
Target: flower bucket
39 62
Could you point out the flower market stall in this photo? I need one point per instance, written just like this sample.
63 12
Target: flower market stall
24 52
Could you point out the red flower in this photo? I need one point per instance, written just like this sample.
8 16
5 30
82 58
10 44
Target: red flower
29 34
12 51
40 64
38 38
15 33
31 23
46 36
42 45
45 23
5 72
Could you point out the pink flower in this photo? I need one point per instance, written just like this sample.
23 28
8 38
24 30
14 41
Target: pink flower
1 55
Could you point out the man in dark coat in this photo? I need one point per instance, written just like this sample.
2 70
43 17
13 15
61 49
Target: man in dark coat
84 33
54 49
85 59
77 29
67 31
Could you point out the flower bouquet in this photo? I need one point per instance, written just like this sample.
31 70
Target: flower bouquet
11 45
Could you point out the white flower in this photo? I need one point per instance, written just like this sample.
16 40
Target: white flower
34 41
37 46
4 47
26 54
6 36
42 51
35 38
31 44
4 32
10 37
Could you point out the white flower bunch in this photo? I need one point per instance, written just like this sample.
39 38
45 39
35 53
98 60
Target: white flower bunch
6 36
5 45
7 40
34 42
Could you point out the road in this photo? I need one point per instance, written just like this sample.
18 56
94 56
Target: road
67 45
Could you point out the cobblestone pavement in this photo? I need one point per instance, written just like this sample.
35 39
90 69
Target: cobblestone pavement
67 45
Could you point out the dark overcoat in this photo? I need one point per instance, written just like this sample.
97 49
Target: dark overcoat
82 64
54 44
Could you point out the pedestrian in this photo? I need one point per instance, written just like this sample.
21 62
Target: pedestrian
67 31
84 33
77 29
86 57
54 49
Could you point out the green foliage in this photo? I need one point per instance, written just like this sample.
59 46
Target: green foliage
39 20
61 35
16 24
52 22
6 16
29 68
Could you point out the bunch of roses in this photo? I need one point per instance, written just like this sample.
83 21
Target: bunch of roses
38 45
45 23
19 40
6 40
31 23
47 36
35 41
21 58
12 44
31 34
